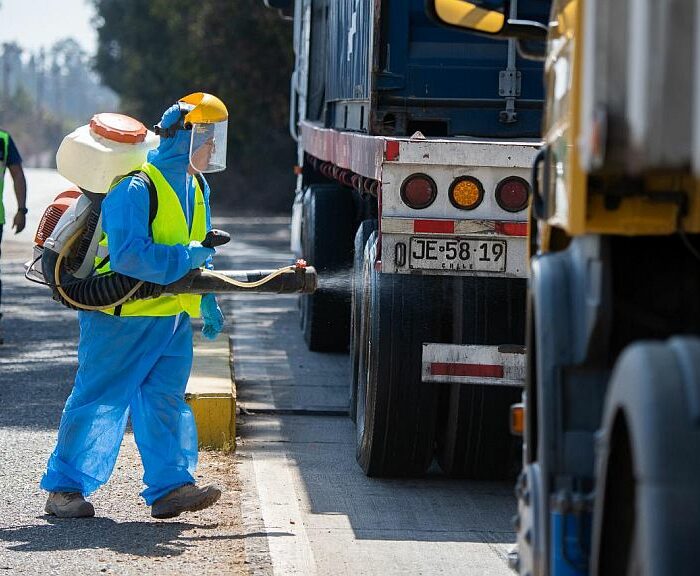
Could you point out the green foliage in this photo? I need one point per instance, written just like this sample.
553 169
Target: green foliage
45 94
36 132
152 53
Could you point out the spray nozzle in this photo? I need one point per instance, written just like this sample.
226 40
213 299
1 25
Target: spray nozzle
215 238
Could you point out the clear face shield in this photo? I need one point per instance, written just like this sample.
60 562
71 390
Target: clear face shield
208 146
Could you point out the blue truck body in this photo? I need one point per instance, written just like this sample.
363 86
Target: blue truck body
383 67
368 75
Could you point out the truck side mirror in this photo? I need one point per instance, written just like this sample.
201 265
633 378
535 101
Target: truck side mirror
489 17
484 16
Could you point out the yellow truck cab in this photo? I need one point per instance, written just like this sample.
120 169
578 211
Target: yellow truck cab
612 401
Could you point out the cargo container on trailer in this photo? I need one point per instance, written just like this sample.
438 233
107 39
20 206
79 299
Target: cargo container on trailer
414 154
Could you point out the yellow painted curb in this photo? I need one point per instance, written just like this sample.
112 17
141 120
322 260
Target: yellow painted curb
211 393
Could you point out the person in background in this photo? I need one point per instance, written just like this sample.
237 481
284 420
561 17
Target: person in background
12 161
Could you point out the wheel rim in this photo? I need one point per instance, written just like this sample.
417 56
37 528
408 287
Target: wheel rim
365 347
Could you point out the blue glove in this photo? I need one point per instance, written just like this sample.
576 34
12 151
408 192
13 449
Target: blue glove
212 316
198 254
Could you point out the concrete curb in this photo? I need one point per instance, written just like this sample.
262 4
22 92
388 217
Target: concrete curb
211 392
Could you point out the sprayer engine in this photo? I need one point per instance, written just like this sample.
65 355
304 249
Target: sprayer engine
52 215
79 215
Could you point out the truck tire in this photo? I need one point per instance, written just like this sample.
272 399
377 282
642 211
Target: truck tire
475 441
619 552
647 498
364 231
396 412
327 242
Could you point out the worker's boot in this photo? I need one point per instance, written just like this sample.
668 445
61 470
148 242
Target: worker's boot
68 505
187 498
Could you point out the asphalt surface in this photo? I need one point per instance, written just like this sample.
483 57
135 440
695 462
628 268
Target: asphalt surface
297 503
301 484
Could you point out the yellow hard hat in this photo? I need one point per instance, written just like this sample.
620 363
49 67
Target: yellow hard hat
207 109
207 119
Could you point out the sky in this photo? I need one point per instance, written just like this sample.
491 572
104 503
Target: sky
20 22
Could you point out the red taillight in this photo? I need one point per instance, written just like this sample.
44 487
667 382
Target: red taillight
513 194
418 191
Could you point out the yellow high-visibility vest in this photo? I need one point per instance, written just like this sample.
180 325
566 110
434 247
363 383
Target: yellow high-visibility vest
5 147
169 227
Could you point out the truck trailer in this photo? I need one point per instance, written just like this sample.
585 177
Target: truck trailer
612 402
414 155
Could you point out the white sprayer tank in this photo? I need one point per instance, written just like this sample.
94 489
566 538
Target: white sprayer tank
93 155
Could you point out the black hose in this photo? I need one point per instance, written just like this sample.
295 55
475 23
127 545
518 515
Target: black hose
106 289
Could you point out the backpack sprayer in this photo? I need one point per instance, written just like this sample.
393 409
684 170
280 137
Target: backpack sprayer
94 157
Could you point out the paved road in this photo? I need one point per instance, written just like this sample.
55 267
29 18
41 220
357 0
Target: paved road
301 483
304 508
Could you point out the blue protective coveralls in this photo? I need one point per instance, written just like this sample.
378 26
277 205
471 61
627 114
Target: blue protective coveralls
134 365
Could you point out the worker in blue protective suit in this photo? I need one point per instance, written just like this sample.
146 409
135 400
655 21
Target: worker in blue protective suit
135 360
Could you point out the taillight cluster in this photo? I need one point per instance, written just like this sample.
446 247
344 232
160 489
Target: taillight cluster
419 191
513 193
466 193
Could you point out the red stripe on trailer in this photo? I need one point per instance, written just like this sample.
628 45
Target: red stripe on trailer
392 150
454 369
434 226
511 228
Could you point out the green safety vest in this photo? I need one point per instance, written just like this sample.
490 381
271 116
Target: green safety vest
169 227
5 146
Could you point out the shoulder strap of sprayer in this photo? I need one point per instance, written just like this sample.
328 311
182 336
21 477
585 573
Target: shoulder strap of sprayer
152 200
152 196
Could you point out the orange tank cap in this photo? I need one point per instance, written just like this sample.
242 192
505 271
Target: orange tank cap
118 128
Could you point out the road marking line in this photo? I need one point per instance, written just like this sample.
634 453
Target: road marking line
279 507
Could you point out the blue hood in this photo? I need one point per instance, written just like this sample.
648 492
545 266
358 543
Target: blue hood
172 157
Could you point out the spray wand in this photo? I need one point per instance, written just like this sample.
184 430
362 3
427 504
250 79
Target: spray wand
112 289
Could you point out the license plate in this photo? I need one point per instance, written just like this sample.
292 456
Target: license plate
475 254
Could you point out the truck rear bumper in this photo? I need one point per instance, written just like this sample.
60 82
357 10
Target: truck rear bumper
464 364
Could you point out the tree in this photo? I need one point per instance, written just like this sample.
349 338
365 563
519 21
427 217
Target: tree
152 53
42 98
